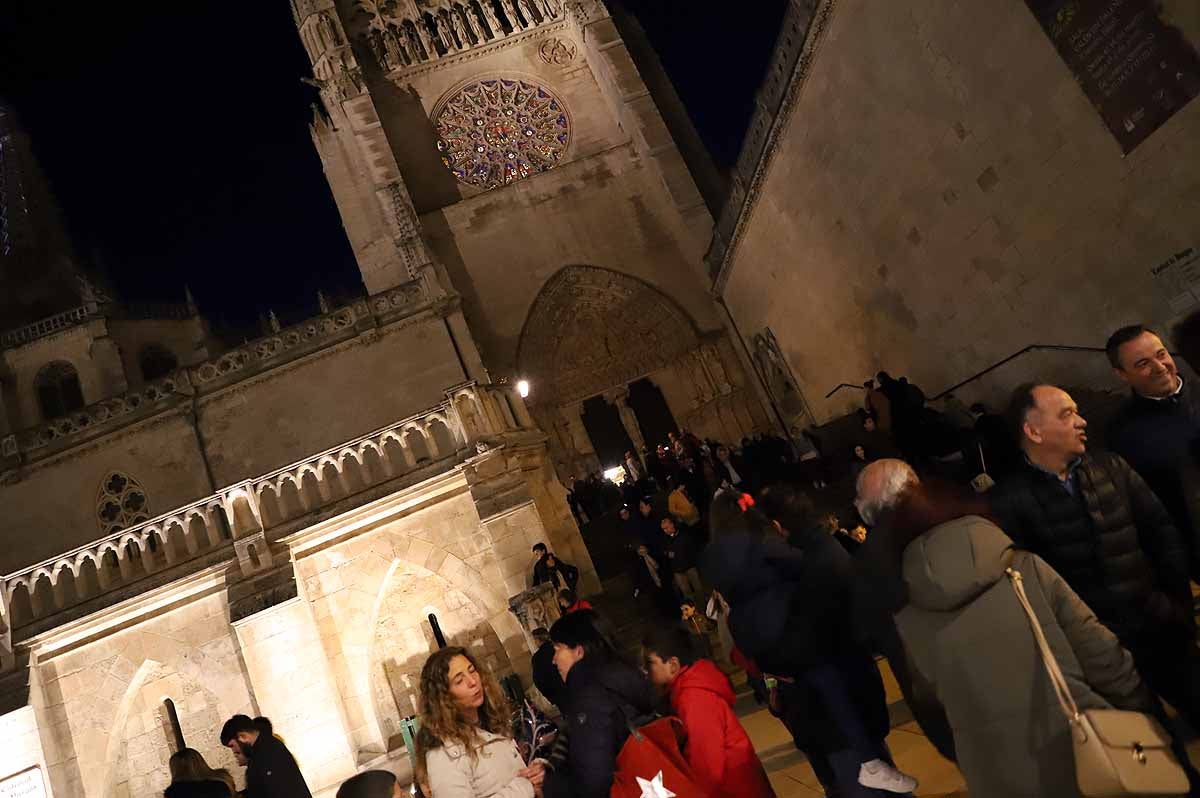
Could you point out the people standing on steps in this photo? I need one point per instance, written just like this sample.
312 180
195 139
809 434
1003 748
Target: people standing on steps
772 588
962 623
604 696
1099 525
718 750
548 568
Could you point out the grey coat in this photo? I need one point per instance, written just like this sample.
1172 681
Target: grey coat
968 636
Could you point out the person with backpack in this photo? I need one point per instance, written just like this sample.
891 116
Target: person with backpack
718 750
604 697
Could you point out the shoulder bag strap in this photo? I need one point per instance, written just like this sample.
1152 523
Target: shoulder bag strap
1061 690
982 462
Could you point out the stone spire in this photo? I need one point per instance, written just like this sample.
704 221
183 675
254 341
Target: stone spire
37 266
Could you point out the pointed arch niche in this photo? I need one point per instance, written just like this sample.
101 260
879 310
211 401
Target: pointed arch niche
591 329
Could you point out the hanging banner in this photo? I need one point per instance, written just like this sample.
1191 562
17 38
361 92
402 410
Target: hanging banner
1135 66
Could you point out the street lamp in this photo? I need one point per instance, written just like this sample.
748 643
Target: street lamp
523 388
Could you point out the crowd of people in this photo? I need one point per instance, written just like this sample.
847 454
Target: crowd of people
1010 610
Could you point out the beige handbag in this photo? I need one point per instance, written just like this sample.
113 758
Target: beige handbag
1117 753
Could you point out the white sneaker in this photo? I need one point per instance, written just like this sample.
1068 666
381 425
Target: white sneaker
879 775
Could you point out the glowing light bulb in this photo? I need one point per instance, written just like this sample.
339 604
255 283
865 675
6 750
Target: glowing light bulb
523 388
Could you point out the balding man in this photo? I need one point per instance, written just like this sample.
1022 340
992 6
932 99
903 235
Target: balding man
1095 521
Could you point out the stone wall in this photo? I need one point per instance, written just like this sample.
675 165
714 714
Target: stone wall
593 128
52 508
943 195
86 347
331 396
22 749
609 211
101 721
464 571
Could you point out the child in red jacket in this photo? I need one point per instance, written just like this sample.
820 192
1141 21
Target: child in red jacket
718 750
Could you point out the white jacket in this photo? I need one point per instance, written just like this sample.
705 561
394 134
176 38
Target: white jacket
492 774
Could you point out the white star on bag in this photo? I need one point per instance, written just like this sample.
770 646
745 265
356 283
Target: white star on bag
654 787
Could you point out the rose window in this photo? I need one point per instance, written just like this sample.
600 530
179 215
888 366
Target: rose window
494 132
121 502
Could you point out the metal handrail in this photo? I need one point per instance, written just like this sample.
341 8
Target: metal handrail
991 368
1014 356
842 385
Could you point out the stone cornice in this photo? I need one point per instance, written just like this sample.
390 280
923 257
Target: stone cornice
402 76
759 150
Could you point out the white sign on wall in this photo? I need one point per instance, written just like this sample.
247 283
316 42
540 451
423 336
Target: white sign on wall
26 784
1179 275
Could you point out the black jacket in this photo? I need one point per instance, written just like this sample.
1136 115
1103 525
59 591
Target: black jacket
603 698
544 573
760 578
197 789
273 772
1159 439
1113 543
545 674
680 550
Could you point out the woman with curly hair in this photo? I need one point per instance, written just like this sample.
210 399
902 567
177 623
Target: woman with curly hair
465 740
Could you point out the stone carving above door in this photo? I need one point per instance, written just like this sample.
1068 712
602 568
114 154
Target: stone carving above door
591 329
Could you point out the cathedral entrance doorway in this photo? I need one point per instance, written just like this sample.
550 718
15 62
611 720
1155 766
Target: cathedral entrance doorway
606 431
653 414
615 363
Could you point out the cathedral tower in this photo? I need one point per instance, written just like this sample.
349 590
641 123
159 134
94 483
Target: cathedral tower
37 268
509 152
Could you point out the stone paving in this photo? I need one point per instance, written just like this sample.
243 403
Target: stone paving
792 776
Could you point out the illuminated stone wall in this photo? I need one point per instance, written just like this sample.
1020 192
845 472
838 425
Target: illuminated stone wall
334 666
943 194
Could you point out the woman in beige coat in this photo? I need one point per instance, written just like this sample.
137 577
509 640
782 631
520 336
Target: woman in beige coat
968 636
465 740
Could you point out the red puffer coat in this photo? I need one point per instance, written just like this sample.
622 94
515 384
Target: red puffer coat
718 749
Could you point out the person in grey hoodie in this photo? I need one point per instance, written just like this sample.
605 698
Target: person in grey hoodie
968 636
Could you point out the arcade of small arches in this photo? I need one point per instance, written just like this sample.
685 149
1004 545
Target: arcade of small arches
240 514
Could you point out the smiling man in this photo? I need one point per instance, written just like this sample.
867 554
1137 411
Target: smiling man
1157 429
1093 519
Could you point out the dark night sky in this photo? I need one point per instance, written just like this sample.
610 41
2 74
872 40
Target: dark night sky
175 137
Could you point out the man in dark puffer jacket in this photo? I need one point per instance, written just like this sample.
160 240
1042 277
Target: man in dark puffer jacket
1096 522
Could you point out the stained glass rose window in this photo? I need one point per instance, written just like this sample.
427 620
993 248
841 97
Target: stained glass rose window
497 131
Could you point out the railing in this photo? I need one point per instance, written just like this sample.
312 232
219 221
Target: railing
239 515
152 310
69 318
94 416
993 367
47 326
842 385
1014 356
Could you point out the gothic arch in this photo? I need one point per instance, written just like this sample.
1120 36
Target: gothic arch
591 328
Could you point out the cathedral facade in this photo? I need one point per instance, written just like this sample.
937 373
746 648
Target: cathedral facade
286 528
